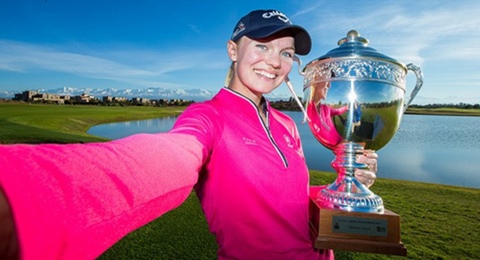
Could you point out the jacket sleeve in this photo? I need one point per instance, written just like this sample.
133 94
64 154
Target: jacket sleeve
339 111
74 201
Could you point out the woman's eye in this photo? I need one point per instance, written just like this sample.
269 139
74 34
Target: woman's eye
287 54
261 46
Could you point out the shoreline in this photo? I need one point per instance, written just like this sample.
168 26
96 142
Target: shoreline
442 112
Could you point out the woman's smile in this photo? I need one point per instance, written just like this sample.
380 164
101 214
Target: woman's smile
265 74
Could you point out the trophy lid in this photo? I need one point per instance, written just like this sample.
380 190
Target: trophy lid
354 46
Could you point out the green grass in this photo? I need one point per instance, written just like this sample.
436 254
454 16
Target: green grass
30 123
438 221
444 111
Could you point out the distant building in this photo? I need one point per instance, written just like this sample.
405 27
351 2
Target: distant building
107 99
110 99
25 95
140 101
119 99
50 98
84 98
35 96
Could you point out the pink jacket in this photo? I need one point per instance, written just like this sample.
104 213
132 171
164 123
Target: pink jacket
321 121
75 201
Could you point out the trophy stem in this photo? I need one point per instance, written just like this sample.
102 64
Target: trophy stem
347 193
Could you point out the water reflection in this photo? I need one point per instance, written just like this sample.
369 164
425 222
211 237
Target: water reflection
123 129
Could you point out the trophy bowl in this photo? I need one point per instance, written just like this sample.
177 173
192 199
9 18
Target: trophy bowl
354 101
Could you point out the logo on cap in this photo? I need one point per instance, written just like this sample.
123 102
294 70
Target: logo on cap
264 23
278 14
240 28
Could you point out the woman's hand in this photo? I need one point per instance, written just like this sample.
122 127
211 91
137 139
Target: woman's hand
8 236
367 176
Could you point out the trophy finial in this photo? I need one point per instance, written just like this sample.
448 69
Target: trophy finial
353 36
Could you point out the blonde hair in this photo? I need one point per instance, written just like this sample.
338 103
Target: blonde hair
230 74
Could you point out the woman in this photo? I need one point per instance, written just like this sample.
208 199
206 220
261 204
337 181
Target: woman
244 159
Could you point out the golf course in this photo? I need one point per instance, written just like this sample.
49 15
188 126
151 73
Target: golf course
437 221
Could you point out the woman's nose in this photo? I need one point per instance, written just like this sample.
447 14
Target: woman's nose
273 60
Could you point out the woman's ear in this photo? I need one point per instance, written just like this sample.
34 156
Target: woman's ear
232 50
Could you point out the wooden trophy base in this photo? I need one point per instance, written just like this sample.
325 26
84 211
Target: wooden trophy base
356 231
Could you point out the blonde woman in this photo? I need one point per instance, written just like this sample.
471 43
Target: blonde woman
243 158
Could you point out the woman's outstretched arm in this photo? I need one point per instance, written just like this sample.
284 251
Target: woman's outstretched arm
75 201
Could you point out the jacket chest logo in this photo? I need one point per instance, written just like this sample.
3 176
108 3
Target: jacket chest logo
249 141
288 140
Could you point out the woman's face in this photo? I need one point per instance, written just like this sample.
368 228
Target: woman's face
324 90
260 65
320 91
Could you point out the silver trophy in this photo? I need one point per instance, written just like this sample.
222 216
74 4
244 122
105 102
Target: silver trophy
354 101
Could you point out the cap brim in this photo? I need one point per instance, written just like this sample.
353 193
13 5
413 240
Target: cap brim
303 42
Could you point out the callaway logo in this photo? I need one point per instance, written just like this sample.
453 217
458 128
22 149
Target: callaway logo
280 16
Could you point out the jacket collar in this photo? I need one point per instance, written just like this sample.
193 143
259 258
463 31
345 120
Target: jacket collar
230 97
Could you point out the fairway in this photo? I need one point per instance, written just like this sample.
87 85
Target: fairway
437 221
35 123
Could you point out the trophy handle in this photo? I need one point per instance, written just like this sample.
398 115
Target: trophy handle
292 90
299 103
418 85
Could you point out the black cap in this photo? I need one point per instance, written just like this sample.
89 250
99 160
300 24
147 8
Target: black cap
263 23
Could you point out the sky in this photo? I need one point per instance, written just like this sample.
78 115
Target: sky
130 44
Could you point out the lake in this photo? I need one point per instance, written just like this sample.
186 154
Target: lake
432 149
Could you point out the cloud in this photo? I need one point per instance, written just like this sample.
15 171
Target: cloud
141 67
194 28
440 37
23 57
406 32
